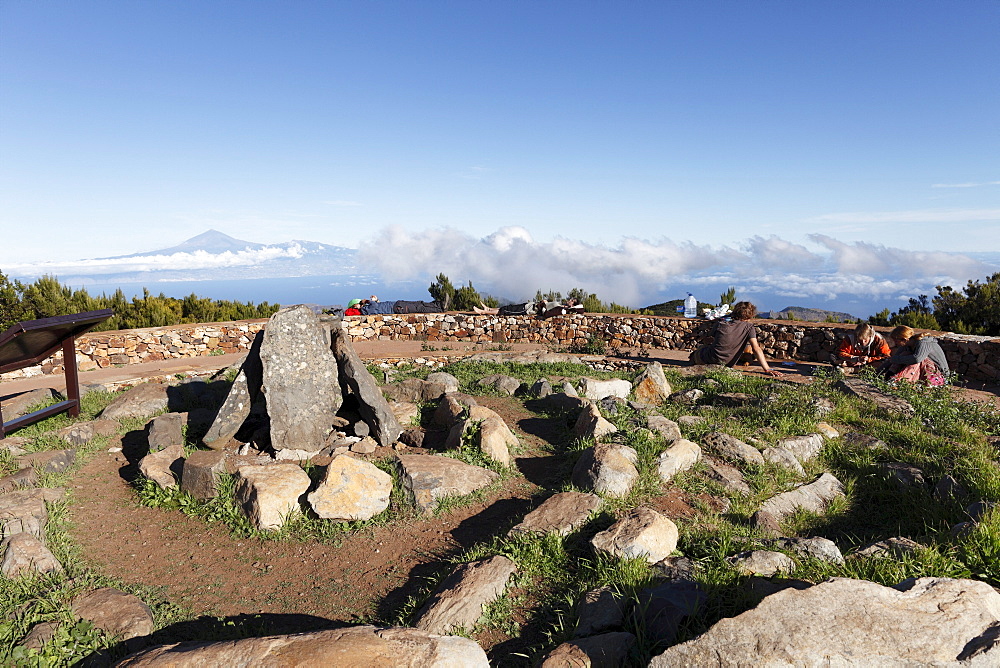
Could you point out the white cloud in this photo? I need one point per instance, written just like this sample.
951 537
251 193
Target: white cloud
175 261
512 264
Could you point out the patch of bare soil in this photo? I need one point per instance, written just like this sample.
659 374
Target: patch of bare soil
368 577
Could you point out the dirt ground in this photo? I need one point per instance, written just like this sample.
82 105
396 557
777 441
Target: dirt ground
367 577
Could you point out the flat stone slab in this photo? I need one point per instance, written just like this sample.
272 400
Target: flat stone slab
19 404
430 478
459 601
23 553
372 405
163 467
858 387
814 497
729 477
141 401
561 513
354 647
49 461
115 612
668 429
351 489
817 547
596 390
301 380
244 391
930 621
761 562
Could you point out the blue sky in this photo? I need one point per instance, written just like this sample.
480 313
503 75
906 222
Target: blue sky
704 128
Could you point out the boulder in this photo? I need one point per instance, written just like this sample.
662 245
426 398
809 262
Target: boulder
687 397
458 602
23 511
642 533
200 475
680 456
591 424
116 613
243 393
430 478
141 401
813 497
803 447
300 380
864 441
374 409
501 384
651 386
26 478
365 446
898 547
414 390
354 647
599 610
733 400
451 408
904 475
930 621
351 489
783 457
165 430
608 650
827 430
731 448
606 468
728 477
691 420
450 383
407 414
23 554
979 509
823 549
270 495
595 390
761 562
665 607
669 430
949 488
561 513
495 440
560 402
541 388
161 467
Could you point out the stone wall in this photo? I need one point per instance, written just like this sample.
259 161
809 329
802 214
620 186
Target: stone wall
974 358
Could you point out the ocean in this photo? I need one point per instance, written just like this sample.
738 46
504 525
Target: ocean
324 290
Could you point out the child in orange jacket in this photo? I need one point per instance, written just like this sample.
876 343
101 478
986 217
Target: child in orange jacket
863 347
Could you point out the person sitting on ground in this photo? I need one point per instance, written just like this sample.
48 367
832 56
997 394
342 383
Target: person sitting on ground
573 306
730 338
352 307
915 358
862 347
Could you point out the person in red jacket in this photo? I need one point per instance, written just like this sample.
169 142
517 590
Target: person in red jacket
352 307
862 347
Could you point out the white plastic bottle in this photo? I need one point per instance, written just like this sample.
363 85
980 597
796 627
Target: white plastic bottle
690 306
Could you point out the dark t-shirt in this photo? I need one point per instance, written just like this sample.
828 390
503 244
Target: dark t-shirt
731 339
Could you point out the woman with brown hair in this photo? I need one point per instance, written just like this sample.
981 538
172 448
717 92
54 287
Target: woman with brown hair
915 358
731 337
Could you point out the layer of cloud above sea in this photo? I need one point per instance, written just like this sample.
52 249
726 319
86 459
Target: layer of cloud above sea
510 262
822 272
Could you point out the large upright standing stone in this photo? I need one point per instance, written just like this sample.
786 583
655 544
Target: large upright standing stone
372 405
300 380
244 391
